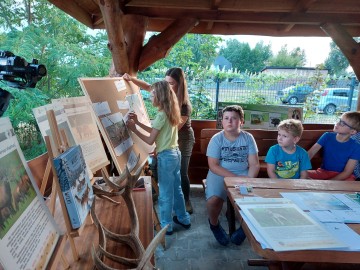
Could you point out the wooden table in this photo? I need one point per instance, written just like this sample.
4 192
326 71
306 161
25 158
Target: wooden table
116 219
272 188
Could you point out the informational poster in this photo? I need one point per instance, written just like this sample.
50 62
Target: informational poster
83 126
112 100
61 119
258 116
28 232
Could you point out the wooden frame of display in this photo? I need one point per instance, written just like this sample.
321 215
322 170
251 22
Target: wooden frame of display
107 91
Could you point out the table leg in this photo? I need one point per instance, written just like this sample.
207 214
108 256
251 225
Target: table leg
230 215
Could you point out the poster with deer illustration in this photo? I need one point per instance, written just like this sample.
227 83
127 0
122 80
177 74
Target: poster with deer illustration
75 184
28 232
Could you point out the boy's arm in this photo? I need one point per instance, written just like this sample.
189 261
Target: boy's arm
304 175
271 170
349 169
313 150
214 166
254 165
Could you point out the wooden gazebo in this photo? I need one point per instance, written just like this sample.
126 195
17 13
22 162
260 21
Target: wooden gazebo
127 21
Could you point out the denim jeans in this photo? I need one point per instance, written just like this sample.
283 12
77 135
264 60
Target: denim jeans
171 197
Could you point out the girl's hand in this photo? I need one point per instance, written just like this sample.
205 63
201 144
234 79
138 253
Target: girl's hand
127 77
133 116
131 124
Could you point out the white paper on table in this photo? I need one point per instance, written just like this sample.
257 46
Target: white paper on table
281 224
324 216
346 234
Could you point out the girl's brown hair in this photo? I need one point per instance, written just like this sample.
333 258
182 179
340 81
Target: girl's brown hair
167 101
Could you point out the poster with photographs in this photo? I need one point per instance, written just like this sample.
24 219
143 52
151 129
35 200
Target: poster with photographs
28 232
257 116
112 100
118 133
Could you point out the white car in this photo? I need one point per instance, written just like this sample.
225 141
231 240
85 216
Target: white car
336 99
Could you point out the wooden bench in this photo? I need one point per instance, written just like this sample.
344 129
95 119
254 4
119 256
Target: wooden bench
264 140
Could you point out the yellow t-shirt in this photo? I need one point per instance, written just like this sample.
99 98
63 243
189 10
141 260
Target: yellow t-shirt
168 135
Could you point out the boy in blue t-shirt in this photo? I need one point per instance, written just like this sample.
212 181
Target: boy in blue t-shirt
286 159
340 153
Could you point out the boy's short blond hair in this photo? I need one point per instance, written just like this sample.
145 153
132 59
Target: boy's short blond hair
354 119
292 126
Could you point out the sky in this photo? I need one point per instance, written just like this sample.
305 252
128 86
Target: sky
316 49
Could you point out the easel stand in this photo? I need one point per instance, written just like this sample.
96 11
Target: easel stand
61 146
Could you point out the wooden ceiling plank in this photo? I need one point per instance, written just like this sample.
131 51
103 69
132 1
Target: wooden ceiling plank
74 10
158 46
348 46
112 16
244 16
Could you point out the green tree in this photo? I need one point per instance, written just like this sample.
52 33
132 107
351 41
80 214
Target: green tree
192 52
284 58
336 62
245 59
38 29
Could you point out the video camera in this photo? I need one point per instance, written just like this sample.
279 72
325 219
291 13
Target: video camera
17 73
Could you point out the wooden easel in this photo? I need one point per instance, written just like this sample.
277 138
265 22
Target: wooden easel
61 145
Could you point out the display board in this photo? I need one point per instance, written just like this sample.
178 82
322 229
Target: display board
258 116
28 232
112 100
75 116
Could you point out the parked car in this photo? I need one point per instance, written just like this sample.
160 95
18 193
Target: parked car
336 99
294 94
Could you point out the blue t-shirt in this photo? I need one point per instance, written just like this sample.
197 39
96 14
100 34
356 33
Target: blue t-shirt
356 137
288 165
336 154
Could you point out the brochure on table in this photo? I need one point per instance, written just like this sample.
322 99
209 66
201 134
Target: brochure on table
28 232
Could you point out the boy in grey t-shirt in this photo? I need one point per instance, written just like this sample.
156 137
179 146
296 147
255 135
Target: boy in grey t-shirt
232 152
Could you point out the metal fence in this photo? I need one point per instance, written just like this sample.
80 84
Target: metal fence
320 105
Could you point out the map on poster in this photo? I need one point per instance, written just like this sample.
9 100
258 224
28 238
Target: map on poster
258 116
28 232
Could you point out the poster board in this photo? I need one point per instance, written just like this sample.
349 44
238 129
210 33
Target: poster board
112 100
75 116
28 232
258 116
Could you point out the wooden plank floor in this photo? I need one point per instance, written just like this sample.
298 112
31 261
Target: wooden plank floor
116 219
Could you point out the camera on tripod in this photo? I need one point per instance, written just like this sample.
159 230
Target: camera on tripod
17 73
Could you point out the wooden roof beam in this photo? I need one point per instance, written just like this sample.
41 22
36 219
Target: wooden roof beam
348 46
74 10
113 16
301 6
159 46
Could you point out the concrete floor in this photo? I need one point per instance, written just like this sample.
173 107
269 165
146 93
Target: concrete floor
197 249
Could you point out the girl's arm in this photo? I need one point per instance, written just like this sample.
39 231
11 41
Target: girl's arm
271 171
349 169
183 121
142 84
150 139
313 150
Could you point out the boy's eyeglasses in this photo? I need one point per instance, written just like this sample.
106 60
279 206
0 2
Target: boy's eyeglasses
343 124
